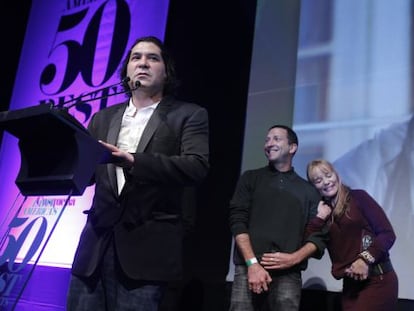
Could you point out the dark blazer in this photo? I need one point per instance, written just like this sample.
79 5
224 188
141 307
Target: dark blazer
145 220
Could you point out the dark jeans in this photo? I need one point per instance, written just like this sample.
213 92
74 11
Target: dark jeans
110 290
284 293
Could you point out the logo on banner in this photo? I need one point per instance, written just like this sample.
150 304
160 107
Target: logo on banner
81 46
82 56
24 238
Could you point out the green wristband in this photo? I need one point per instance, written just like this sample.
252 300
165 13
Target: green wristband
251 261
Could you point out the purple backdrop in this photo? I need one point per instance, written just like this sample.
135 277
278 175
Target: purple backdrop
69 50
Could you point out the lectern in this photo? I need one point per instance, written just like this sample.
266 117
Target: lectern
58 157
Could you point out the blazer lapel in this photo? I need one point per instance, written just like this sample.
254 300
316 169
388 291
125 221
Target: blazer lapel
159 115
114 128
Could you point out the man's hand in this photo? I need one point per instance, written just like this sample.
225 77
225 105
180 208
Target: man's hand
258 278
124 159
278 260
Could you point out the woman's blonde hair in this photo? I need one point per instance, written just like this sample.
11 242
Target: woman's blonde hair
340 204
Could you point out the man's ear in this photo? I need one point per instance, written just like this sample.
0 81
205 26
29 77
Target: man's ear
293 148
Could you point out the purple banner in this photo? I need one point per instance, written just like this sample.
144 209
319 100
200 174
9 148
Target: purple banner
70 49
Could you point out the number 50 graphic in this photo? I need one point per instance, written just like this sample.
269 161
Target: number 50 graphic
83 42
9 277
87 45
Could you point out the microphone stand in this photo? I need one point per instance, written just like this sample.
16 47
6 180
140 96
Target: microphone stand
63 110
123 82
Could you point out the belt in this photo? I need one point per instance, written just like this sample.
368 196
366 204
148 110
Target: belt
381 268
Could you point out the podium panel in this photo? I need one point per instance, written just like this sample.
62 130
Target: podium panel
58 155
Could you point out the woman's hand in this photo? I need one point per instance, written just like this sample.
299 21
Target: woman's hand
324 210
358 270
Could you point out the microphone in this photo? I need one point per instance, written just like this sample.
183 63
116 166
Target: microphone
126 89
137 84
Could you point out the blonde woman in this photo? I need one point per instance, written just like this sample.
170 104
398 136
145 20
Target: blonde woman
360 237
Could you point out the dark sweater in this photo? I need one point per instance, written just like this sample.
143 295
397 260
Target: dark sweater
273 208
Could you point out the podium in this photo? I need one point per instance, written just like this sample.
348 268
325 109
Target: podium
58 157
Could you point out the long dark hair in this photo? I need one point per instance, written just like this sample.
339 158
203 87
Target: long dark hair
171 81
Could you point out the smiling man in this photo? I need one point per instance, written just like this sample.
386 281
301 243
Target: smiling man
268 214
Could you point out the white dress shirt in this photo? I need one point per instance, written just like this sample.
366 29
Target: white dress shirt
133 124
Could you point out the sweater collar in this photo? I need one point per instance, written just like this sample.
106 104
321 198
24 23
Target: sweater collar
289 173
